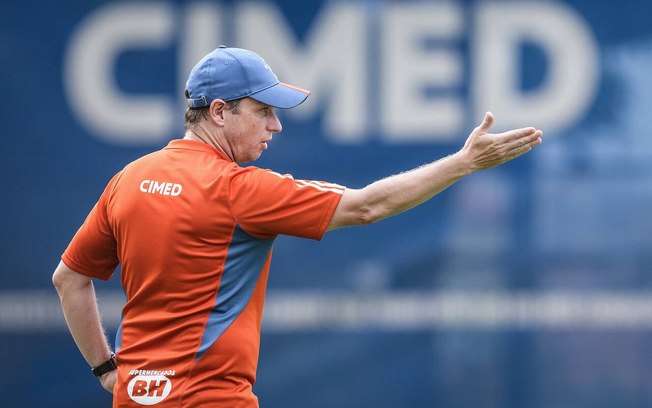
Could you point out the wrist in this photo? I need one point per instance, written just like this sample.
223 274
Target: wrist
462 163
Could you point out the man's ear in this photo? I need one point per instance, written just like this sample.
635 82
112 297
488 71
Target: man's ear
216 111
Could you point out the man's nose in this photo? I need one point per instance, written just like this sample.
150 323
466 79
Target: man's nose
274 124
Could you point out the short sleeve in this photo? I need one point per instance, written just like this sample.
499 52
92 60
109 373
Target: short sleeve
266 204
93 249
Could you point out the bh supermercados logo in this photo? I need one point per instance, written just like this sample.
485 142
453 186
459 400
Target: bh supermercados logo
149 387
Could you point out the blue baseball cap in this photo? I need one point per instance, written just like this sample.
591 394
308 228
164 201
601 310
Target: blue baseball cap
234 73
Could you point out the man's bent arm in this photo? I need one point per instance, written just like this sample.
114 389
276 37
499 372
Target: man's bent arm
79 305
395 194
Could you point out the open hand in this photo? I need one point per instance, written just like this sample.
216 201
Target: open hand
486 150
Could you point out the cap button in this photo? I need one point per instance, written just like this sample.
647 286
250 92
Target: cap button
222 46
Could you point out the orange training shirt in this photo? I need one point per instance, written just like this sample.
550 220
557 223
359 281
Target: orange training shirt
193 233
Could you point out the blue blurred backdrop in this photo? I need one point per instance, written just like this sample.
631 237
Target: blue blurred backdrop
524 286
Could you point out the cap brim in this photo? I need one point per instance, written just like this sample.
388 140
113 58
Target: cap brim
282 96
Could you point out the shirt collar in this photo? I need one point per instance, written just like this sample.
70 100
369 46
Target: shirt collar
196 145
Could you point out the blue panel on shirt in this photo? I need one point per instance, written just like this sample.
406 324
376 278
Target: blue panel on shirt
118 335
245 259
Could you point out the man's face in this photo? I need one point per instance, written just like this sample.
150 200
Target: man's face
250 129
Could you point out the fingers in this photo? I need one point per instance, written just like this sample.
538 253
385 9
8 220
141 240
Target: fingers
516 134
524 138
524 145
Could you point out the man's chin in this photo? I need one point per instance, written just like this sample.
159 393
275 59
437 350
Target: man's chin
249 159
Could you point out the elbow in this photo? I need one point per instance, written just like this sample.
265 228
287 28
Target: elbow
65 278
368 216
58 280
357 208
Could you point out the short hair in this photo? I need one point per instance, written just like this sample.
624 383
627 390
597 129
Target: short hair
195 115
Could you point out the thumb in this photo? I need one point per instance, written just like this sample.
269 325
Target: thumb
487 122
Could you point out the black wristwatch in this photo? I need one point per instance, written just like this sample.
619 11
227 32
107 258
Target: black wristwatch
105 367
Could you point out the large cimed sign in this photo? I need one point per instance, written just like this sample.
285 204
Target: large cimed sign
398 71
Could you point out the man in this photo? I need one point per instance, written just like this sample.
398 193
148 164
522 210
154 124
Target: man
193 232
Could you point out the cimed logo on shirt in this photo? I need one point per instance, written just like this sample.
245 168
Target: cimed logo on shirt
161 187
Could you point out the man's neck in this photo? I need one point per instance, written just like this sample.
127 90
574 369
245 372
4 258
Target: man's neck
209 140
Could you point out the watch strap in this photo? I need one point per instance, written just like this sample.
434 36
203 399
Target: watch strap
105 367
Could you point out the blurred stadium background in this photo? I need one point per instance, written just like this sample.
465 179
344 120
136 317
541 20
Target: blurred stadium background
525 286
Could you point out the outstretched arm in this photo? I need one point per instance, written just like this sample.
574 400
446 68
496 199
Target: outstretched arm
395 194
79 306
